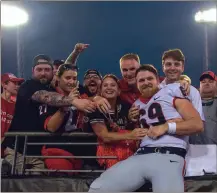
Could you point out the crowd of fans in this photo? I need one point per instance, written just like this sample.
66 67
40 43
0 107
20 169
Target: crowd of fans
54 101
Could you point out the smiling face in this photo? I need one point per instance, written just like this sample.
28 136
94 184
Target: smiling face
68 80
92 82
128 70
43 72
172 69
147 83
110 88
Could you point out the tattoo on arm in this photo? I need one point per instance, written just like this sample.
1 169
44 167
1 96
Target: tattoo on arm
72 58
51 98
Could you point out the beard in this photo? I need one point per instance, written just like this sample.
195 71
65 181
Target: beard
149 91
92 87
44 81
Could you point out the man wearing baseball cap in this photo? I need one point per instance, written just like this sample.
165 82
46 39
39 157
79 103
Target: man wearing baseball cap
27 110
208 74
92 82
208 82
10 85
10 77
91 87
32 100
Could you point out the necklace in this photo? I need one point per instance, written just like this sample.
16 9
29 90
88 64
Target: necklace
112 122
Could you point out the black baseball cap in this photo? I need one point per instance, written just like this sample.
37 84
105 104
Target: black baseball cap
92 71
42 57
58 62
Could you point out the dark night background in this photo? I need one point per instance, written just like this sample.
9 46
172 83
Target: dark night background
112 29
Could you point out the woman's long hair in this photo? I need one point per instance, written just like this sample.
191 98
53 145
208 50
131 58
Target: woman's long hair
116 80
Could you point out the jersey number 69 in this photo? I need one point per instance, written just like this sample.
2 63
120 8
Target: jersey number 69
154 111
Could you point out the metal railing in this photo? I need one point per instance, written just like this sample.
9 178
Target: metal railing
17 136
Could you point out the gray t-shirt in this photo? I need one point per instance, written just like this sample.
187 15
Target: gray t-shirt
209 136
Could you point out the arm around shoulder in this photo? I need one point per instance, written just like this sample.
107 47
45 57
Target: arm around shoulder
51 98
192 121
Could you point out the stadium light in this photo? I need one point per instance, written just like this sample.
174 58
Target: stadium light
13 16
206 17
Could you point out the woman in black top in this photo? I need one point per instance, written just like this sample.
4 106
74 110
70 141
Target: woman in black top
114 129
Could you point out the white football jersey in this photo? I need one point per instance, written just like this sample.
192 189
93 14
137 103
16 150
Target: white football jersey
194 97
159 109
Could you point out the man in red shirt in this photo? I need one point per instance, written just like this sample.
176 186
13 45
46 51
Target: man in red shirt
129 63
10 85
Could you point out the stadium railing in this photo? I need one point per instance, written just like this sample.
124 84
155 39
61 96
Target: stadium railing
26 135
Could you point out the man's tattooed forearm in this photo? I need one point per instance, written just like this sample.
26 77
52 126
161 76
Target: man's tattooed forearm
51 98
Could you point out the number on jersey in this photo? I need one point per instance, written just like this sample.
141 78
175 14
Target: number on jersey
154 111
42 109
72 121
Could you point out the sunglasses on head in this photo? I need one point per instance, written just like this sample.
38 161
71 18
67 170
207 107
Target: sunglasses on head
68 67
65 67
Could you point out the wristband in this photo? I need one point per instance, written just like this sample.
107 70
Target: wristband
171 128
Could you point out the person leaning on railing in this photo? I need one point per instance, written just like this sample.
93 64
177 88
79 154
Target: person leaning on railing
33 96
208 82
61 120
161 156
114 130
10 85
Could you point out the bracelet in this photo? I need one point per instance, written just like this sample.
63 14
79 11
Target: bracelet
171 128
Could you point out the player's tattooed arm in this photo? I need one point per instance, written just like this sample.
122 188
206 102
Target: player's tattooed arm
52 98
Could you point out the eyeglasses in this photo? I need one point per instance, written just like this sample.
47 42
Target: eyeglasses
96 77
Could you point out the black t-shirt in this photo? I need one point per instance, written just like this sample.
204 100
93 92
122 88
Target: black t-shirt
70 119
120 117
26 115
70 124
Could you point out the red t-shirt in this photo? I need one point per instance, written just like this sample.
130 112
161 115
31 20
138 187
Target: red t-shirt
7 113
128 94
